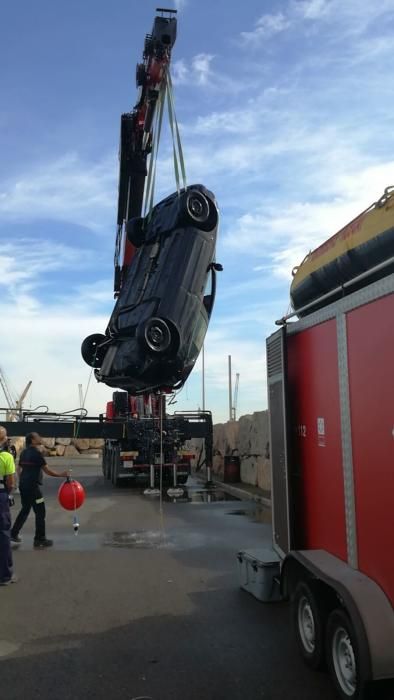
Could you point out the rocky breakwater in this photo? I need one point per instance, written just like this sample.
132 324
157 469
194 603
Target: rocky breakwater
247 438
72 447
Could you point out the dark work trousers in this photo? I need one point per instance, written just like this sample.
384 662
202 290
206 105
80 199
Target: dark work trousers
31 497
5 538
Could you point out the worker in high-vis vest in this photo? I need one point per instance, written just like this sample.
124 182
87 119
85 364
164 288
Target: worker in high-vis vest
7 483
31 466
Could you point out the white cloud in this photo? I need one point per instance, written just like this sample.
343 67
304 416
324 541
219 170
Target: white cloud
284 235
198 71
266 27
350 19
44 346
201 65
64 189
180 72
26 260
313 9
180 4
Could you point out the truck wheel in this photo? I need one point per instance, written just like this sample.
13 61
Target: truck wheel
106 463
114 471
309 618
343 657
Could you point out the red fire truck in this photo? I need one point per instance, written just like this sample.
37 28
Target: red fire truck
331 401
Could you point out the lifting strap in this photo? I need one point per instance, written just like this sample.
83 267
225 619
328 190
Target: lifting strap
179 163
151 181
166 91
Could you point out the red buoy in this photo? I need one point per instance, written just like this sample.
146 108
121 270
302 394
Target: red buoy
71 494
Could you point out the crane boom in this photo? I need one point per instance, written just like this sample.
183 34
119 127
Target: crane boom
23 395
6 390
136 135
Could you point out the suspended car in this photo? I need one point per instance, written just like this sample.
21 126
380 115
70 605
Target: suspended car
161 316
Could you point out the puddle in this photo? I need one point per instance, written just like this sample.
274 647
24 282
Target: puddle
7 648
258 514
196 496
262 514
139 539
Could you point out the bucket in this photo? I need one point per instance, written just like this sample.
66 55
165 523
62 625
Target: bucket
232 470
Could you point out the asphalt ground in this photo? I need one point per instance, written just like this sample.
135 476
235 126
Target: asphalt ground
140 605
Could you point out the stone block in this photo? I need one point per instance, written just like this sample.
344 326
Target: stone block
48 442
81 444
263 474
63 441
71 451
225 437
218 464
253 434
19 444
249 470
97 443
60 450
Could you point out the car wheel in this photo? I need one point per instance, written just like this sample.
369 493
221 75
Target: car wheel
90 350
343 657
197 207
157 335
309 617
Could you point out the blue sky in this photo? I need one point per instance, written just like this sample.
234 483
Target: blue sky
285 111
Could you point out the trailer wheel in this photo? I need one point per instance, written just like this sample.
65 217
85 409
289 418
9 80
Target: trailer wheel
309 615
343 657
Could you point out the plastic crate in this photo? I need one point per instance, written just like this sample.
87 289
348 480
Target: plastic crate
259 573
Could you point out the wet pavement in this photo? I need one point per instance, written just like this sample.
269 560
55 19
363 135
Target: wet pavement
144 603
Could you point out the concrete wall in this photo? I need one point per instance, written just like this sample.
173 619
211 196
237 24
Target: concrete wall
247 438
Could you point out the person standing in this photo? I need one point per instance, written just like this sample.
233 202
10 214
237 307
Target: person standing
31 466
7 482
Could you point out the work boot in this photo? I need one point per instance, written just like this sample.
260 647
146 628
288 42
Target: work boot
41 544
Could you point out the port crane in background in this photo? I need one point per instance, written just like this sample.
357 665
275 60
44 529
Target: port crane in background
15 405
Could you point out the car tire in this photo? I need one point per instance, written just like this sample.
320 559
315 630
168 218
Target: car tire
199 211
156 335
90 350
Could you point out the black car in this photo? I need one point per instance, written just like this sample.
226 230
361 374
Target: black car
161 316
